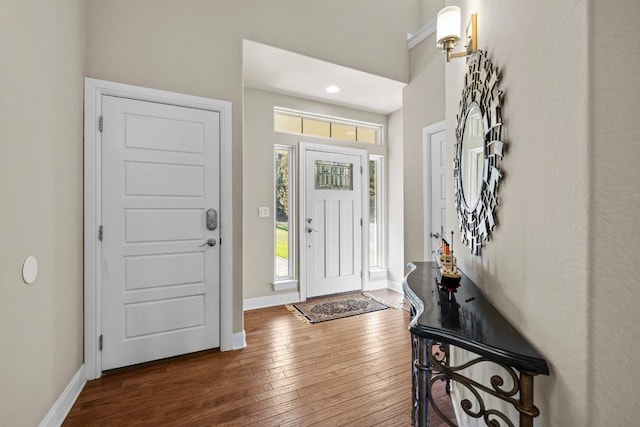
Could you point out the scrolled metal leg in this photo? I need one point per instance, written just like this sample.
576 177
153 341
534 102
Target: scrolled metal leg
414 380
421 378
527 409
431 363
518 391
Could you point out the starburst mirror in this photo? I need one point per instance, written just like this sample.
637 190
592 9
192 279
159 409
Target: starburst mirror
478 152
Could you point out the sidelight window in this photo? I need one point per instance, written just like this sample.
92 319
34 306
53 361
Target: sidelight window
376 255
284 232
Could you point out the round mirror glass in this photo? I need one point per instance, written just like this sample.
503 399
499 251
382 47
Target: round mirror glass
472 155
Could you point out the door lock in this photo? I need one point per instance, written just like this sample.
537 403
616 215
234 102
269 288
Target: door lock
210 242
435 235
212 219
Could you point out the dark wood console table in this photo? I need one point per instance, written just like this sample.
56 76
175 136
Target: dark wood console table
468 320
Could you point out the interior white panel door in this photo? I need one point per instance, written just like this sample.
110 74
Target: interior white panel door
333 227
438 189
160 284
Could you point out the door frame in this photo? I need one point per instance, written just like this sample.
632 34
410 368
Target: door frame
94 90
364 162
427 134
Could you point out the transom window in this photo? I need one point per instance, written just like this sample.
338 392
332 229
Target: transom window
285 120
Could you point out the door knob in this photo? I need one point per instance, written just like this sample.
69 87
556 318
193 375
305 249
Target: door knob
210 242
311 230
435 235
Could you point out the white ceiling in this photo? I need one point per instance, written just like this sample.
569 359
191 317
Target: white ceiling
277 70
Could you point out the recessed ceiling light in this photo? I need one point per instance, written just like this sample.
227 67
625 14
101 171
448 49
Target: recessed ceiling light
332 89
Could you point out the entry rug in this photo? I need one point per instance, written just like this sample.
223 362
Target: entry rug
336 307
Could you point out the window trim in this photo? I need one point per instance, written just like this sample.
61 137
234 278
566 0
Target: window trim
380 207
332 119
277 280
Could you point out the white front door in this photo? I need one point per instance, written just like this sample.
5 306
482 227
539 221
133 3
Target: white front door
160 279
333 221
436 204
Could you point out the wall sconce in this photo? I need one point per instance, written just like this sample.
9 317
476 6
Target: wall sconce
448 32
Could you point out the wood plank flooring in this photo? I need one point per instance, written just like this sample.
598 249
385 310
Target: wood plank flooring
348 372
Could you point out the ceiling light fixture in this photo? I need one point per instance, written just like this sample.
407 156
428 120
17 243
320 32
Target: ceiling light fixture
332 89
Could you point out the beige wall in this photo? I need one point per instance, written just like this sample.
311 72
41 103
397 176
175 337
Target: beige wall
395 199
259 140
195 47
563 259
614 212
422 105
429 9
535 267
570 172
41 192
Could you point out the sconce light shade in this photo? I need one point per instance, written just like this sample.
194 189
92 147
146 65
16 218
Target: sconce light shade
448 26
448 32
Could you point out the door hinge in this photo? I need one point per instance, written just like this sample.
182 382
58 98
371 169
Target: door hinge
100 233
100 123
361 170
360 277
100 342
221 240
361 224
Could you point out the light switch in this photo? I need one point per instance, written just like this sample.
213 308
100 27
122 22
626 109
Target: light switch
30 270
263 211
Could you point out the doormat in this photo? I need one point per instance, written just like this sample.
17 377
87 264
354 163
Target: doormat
321 309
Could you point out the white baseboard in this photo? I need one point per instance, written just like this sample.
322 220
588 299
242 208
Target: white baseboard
271 301
461 417
373 285
285 285
63 405
395 286
238 341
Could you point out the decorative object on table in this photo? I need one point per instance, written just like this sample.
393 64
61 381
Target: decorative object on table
321 309
449 274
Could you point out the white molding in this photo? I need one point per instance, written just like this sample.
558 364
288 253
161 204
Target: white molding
395 286
374 285
285 285
239 340
333 119
94 90
427 132
293 200
226 228
457 396
427 29
271 301
303 147
381 181
378 274
461 416
63 405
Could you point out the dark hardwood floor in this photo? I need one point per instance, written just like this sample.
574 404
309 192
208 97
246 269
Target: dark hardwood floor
348 372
